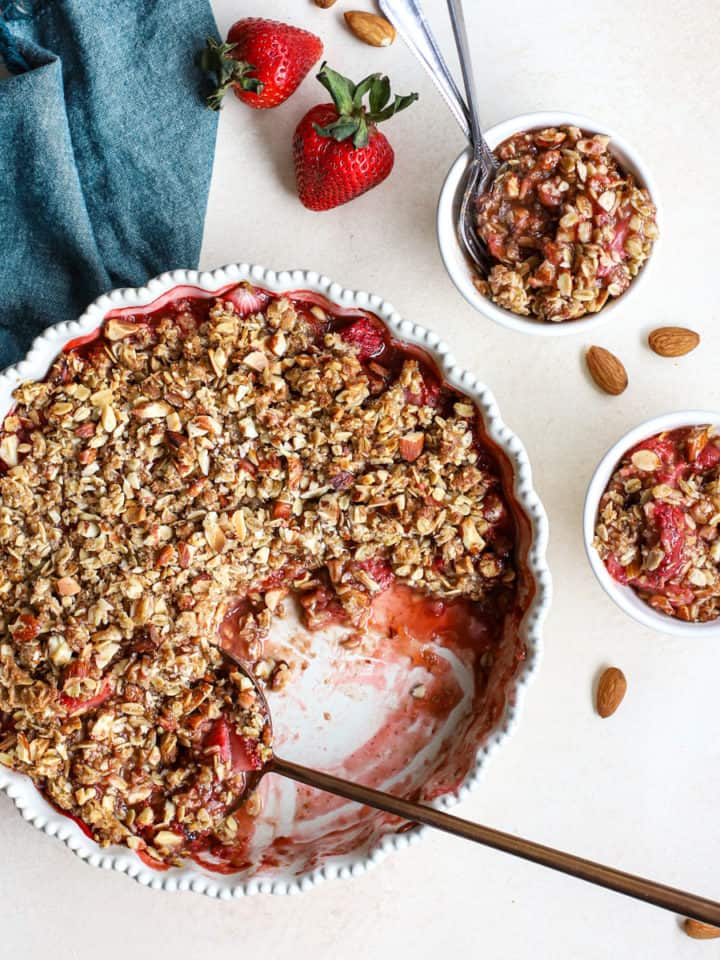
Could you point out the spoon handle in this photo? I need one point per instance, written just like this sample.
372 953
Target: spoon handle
480 147
411 23
669 898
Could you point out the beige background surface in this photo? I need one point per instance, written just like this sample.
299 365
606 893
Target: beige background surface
639 790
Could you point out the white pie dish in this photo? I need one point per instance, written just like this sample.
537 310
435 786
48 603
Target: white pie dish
193 877
453 254
624 596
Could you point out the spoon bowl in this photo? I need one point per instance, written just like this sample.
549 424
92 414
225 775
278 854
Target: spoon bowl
478 181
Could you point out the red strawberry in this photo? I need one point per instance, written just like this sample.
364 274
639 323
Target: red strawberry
77 705
240 752
264 62
339 152
365 336
246 299
379 570
217 740
26 628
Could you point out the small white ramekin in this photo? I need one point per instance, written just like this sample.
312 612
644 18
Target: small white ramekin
451 249
624 596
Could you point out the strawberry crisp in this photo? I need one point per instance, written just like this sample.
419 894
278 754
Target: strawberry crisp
205 458
659 523
566 227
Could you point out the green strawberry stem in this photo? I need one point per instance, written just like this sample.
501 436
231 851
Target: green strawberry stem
353 117
226 71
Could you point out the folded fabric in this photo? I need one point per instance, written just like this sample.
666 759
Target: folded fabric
106 151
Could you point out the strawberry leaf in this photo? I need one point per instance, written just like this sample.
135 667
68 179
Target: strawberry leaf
341 129
226 71
340 89
354 118
365 86
379 93
362 136
399 103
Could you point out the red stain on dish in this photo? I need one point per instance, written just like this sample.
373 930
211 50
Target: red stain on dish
447 644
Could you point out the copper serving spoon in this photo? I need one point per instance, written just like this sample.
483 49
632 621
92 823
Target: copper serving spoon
669 898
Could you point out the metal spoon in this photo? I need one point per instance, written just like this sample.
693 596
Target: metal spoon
668 898
483 165
411 23
409 20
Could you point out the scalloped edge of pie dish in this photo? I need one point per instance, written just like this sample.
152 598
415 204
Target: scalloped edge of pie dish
33 806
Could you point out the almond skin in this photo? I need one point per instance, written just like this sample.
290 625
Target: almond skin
370 28
610 692
324 3
700 931
673 341
606 370
411 446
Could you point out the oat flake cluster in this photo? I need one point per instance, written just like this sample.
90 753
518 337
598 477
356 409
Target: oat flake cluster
179 465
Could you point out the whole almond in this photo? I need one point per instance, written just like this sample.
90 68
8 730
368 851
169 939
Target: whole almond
700 931
673 341
324 3
610 692
606 370
370 28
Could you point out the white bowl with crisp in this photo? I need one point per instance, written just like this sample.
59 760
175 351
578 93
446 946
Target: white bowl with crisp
625 596
453 253
531 554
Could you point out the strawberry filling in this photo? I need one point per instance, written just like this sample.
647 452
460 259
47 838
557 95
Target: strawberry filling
667 529
26 628
379 570
616 247
365 336
246 299
76 706
240 753
673 464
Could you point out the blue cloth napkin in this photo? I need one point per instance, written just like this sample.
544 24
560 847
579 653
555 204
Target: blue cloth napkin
106 151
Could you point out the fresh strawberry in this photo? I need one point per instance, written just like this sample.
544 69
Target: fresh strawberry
263 61
339 152
365 336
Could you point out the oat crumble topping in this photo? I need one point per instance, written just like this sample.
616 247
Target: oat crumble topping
174 465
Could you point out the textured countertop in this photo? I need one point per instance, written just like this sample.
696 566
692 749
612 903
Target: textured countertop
638 790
